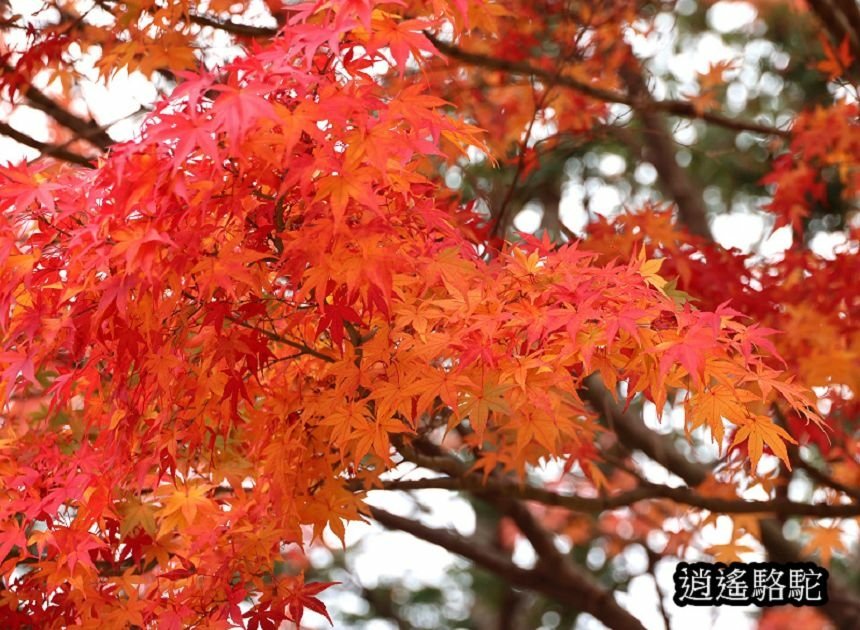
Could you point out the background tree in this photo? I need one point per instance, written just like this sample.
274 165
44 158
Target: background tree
303 279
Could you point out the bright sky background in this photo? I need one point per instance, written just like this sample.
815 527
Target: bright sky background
393 557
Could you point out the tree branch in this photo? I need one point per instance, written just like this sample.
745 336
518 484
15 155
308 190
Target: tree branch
298 345
673 107
234 28
843 606
43 147
846 614
87 130
500 486
841 18
674 180
820 477
572 590
634 434
550 559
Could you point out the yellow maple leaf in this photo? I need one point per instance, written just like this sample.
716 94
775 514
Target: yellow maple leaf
729 552
650 271
182 504
823 541
761 430
137 513
710 406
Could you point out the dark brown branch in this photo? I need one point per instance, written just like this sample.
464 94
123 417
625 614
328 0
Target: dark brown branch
500 227
635 435
540 539
104 569
820 477
843 607
841 19
87 130
846 614
383 605
212 21
660 151
550 559
682 109
653 559
554 562
234 28
430 456
597 505
43 147
298 345
574 591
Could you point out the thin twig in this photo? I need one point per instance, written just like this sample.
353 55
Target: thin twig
499 228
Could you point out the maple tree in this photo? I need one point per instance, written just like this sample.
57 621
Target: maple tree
301 280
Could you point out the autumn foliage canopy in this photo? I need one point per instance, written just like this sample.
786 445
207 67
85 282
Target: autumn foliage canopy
218 337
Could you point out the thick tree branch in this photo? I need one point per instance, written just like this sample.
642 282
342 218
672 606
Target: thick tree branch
682 109
843 607
43 147
597 505
845 614
234 28
550 559
674 180
87 130
841 18
820 477
634 434
431 456
574 591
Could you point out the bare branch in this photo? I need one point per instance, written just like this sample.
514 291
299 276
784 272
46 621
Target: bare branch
87 130
675 108
501 220
598 505
43 147
574 591
634 434
841 19
674 180
234 28
843 606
